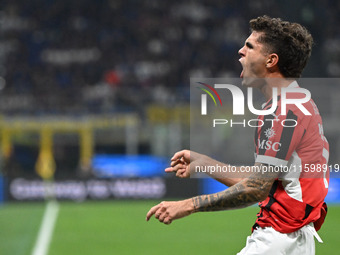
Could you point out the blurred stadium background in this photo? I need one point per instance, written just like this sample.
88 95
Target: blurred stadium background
94 97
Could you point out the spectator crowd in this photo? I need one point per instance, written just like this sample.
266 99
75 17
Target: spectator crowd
70 56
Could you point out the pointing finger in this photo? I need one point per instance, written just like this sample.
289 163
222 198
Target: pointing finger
169 170
152 211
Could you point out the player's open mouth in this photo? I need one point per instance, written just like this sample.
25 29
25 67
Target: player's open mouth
241 75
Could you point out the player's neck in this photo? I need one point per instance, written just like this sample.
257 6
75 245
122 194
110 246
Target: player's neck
275 82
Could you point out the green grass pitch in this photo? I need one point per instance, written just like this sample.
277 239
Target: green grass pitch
119 227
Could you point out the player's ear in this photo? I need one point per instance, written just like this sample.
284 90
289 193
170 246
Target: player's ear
272 60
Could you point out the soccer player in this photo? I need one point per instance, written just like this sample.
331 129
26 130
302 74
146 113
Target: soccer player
292 203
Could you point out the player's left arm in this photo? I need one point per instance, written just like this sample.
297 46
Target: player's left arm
249 191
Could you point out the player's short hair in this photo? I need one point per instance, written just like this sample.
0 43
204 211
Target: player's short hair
290 41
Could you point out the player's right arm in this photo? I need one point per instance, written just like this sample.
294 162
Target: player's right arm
184 163
250 190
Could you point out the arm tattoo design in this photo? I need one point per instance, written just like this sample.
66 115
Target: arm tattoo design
245 193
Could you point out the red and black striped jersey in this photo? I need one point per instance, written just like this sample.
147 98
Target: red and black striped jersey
295 142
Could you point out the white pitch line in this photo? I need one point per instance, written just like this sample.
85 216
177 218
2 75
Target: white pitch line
46 229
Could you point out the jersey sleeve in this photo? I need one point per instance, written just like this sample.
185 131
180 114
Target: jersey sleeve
278 138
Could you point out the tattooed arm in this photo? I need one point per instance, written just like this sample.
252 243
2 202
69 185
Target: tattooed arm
250 190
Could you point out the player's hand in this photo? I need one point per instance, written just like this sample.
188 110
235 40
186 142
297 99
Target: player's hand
167 211
182 162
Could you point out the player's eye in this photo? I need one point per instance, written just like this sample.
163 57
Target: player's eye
249 45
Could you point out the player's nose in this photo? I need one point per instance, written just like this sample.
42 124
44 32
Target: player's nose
241 52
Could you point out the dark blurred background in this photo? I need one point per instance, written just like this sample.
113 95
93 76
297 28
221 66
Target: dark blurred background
59 56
